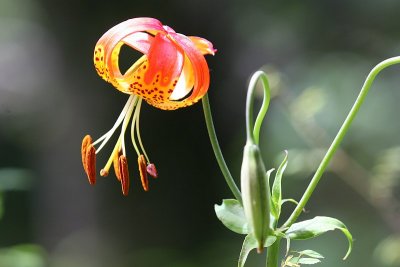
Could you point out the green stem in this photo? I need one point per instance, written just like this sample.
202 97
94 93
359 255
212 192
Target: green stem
253 133
217 150
339 137
273 254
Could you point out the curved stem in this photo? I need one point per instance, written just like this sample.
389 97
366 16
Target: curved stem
253 133
217 150
339 137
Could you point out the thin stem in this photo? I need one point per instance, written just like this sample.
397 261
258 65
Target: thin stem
253 133
273 254
217 150
138 108
339 137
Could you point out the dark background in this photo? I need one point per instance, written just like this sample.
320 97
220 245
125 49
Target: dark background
317 55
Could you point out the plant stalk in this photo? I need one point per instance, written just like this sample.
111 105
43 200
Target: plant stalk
217 150
339 137
273 254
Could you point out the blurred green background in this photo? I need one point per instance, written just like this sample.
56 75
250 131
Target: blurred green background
317 54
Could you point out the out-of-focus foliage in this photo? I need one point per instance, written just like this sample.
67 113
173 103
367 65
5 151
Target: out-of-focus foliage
387 251
22 255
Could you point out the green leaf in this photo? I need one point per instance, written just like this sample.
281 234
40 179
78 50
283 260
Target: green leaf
311 253
292 261
249 244
269 173
308 261
27 255
16 179
318 226
231 214
277 188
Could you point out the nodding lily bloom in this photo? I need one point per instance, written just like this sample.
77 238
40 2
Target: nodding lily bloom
171 74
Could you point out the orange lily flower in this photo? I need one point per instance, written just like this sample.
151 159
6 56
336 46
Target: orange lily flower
171 74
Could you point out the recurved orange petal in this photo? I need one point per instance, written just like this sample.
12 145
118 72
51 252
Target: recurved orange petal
166 59
203 45
107 48
199 65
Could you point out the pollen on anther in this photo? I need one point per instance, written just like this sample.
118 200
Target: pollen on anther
87 140
123 168
89 159
143 172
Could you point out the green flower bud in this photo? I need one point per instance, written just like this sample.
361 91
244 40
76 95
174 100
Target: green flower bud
255 193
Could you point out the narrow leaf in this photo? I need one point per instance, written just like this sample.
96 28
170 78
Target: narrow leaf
270 240
277 188
269 173
308 261
249 244
231 214
311 253
293 259
318 226
287 245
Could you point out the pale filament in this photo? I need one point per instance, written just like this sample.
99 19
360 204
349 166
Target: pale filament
108 135
121 141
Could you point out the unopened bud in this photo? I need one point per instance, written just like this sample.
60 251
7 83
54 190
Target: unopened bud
255 193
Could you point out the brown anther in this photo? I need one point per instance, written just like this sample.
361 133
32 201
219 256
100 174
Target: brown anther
151 169
143 172
124 172
88 153
86 142
116 166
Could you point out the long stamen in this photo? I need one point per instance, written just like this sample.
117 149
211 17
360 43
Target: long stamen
117 147
121 141
138 129
133 129
108 135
